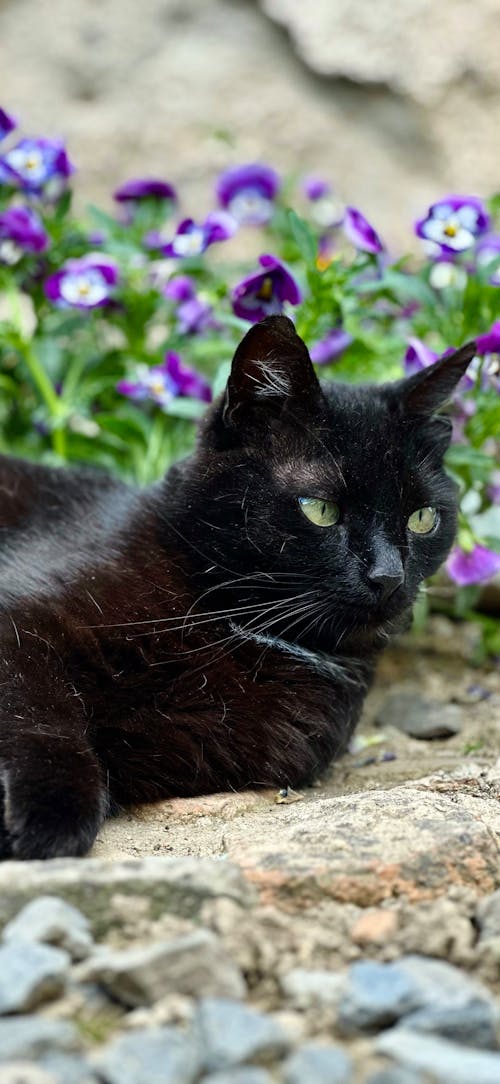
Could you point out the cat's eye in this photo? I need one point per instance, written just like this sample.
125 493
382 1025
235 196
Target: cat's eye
423 520
320 512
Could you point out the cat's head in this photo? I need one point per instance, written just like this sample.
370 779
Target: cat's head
317 510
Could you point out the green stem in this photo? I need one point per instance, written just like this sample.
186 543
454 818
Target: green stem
49 396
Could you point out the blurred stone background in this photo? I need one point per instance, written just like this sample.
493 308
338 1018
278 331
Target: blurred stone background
396 102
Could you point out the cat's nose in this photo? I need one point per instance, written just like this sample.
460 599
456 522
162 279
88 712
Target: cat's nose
387 581
387 572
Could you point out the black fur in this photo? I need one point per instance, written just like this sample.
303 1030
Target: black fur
202 634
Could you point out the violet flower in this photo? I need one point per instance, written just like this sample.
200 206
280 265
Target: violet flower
418 356
36 163
7 124
490 342
165 382
487 250
84 283
474 567
21 230
331 346
360 233
145 188
248 192
315 188
180 288
195 316
191 238
454 223
265 292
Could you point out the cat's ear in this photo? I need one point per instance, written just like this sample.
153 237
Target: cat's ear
270 367
430 389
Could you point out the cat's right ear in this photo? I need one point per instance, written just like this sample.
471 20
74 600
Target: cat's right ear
271 367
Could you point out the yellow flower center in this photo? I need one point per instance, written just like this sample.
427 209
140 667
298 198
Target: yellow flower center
450 230
266 291
84 289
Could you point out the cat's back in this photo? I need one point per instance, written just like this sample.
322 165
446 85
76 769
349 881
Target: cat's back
54 523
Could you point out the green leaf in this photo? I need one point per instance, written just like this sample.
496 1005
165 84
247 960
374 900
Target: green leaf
186 408
303 236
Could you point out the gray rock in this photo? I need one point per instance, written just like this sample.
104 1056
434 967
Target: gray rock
375 995
53 921
68 1069
179 885
24 1072
473 1023
30 974
395 1075
488 917
230 1034
28 1037
315 1064
447 1062
193 964
310 989
247 1075
160 1056
419 717
434 995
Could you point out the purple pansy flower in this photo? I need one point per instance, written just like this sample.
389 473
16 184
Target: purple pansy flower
315 187
454 223
264 293
145 188
474 567
360 233
181 288
84 283
35 163
165 382
248 192
488 249
195 316
191 238
490 342
21 230
326 210
7 124
331 346
418 356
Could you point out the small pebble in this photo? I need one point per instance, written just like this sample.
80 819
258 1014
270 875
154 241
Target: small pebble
152 1056
51 920
446 1062
230 1034
315 1064
28 1037
30 974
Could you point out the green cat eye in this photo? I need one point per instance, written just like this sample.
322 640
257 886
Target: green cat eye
423 520
320 512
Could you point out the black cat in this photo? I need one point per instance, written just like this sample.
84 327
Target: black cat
219 629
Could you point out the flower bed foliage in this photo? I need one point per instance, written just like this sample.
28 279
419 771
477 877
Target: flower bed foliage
115 332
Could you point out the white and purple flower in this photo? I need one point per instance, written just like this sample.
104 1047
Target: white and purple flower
454 223
488 249
21 231
326 210
361 233
141 188
7 124
331 346
248 192
194 314
192 238
265 292
84 283
476 566
162 383
39 165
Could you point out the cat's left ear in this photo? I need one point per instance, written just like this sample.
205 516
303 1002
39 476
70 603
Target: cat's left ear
430 389
271 366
